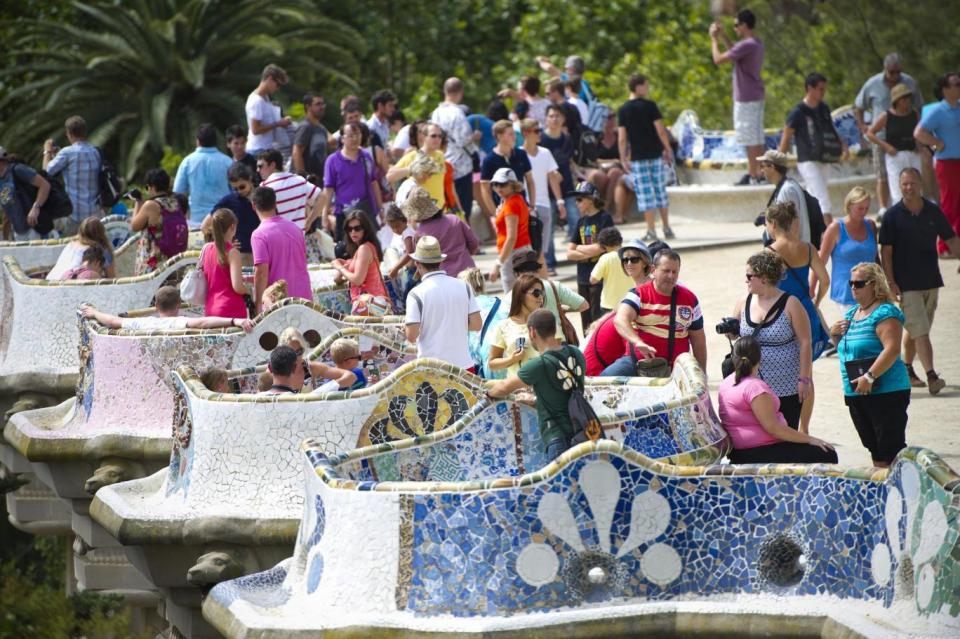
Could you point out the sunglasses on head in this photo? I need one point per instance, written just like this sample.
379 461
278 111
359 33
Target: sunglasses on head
631 260
859 283
351 229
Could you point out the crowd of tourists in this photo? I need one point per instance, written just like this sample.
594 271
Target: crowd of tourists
392 207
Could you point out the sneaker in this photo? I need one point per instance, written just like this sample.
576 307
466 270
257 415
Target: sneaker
915 381
651 236
935 383
744 181
668 233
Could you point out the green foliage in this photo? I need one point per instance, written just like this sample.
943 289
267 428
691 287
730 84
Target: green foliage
171 160
146 73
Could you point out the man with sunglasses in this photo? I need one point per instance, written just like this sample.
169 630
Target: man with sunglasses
748 90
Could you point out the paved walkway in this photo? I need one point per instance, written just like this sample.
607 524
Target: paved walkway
714 271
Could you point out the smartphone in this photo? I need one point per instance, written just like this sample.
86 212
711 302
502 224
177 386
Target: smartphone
521 343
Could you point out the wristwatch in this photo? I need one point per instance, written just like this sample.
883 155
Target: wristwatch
870 377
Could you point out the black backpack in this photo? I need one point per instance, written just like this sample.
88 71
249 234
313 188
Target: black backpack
586 424
57 205
814 213
535 231
110 184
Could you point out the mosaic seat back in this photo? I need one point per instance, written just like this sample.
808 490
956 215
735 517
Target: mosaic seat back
699 145
605 525
36 255
39 333
667 419
124 389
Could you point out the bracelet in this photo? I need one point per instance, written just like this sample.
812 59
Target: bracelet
805 380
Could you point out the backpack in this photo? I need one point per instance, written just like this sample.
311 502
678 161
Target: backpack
57 205
174 234
535 231
588 148
814 213
108 180
597 113
586 424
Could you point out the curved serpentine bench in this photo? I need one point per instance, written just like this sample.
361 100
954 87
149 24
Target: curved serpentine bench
42 254
605 540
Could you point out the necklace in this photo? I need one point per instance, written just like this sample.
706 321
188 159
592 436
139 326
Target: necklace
862 311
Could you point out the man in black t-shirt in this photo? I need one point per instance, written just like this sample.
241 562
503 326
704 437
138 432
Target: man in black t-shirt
818 142
505 155
908 251
311 141
641 130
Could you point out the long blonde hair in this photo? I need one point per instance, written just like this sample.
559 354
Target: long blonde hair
222 220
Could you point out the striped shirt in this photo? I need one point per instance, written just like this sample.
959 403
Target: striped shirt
653 317
293 195
80 164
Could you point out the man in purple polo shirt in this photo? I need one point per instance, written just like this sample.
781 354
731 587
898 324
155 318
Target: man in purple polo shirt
748 91
279 250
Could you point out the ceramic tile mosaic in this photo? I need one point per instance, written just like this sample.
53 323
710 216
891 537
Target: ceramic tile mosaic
42 254
607 527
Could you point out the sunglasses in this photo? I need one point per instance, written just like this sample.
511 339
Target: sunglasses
631 260
536 292
750 276
859 283
351 229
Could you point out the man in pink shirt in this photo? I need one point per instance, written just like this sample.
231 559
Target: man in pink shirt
279 250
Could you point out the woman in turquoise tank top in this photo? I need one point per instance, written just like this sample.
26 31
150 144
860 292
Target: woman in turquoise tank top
849 242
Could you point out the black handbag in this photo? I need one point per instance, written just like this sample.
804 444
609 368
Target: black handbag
857 367
659 366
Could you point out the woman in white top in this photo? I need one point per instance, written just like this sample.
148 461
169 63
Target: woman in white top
90 233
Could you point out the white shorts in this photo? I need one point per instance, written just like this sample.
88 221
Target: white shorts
895 164
748 122
814 176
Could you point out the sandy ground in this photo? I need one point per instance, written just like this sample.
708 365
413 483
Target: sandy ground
715 274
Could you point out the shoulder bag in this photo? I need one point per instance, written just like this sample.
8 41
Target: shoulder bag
569 332
659 366
193 287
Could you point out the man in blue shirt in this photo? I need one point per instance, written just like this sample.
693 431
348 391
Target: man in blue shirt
203 175
80 165
939 129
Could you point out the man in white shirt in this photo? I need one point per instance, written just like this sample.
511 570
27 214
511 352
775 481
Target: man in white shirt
263 117
461 140
168 316
296 198
441 311
384 104
546 178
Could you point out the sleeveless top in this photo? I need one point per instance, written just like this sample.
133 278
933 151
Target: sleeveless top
796 282
899 130
222 300
149 255
373 283
847 253
779 350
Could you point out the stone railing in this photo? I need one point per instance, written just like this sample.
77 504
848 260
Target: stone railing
34 255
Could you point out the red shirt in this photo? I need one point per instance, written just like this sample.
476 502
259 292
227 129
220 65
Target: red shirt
653 317
604 346
514 205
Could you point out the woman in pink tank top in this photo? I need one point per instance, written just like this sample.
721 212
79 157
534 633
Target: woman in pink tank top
368 294
223 270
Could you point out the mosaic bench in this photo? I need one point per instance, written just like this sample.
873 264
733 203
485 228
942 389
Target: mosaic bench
39 333
608 541
36 255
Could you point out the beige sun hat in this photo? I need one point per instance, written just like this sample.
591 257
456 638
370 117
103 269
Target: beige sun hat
774 157
428 251
419 206
899 91
423 164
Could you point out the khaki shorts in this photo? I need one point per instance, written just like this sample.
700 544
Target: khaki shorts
919 308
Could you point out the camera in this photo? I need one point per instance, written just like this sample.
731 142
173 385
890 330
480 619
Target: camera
729 325
761 220
133 194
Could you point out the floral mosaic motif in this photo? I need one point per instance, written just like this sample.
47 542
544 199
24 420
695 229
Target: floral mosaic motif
593 571
425 412
85 382
315 571
569 373
179 477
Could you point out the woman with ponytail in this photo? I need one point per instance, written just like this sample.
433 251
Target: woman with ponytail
222 267
750 412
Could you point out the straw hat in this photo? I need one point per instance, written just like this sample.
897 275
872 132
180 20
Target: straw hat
423 164
899 91
773 157
428 251
419 206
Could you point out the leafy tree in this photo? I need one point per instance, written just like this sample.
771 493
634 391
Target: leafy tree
145 73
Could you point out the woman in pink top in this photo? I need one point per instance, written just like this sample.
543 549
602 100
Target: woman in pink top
750 412
223 269
362 270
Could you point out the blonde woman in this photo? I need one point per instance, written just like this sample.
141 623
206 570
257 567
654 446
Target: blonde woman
847 242
91 233
223 269
876 387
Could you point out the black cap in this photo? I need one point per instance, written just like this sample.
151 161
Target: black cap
586 189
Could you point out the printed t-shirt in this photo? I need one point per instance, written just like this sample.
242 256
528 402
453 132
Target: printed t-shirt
616 283
914 241
514 205
802 120
747 56
588 226
653 317
434 184
638 116
505 335
280 243
542 374
737 417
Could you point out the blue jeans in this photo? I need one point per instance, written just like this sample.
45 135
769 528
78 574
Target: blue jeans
545 213
573 216
555 447
622 367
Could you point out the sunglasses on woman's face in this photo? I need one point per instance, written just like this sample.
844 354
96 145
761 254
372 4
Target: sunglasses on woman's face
630 260
859 283
536 292
351 229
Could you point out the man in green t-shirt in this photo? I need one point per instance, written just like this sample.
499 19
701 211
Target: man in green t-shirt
551 382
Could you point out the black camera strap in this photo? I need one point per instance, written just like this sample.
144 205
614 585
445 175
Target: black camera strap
672 338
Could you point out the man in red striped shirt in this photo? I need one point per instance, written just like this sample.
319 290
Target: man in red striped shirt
643 319
296 198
